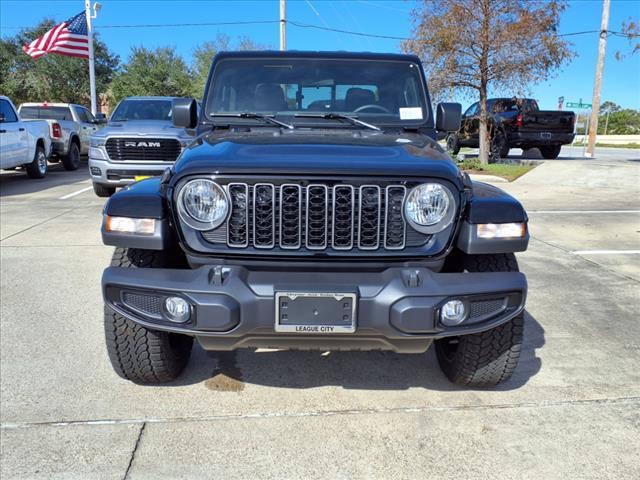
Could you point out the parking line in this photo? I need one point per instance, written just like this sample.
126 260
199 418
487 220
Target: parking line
69 195
605 252
581 211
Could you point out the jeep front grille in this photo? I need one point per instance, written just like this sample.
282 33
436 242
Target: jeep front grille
122 149
316 217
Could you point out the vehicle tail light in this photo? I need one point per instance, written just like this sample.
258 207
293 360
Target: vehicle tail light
519 120
56 131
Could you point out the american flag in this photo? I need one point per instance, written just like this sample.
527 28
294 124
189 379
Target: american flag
70 38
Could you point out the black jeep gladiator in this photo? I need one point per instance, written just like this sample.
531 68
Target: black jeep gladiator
314 210
515 123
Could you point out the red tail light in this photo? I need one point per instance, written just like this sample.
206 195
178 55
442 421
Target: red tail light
56 131
519 120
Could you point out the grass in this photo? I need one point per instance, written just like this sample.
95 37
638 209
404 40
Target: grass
611 145
508 171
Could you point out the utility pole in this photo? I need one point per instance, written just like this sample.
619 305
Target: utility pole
597 86
283 25
90 15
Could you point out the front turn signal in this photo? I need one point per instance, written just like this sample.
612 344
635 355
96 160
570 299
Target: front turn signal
141 226
502 230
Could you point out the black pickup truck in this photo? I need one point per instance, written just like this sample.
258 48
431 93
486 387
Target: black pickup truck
314 210
515 123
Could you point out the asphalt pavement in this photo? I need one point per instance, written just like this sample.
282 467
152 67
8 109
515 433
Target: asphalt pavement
570 411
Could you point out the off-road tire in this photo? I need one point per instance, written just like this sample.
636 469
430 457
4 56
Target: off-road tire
140 354
551 152
71 161
487 358
38 167
102 191
499 147
453 144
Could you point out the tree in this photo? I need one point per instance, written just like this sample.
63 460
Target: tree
620 122
470 46
630 30
203 55
152 72
53 78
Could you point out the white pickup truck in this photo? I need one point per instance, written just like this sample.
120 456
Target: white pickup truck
71 126
25 144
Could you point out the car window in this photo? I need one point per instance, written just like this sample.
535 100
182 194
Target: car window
82 115
7 112
46 112
142 109
90 117
472 110
388 92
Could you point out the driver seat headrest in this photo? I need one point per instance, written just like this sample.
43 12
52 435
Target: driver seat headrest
358 97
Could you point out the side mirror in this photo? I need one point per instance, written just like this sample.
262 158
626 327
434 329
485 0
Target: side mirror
448 117
184 112
2 118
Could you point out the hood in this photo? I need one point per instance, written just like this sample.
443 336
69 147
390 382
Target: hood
317 152
142 128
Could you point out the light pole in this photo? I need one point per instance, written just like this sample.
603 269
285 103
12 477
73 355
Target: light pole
597 86
283 25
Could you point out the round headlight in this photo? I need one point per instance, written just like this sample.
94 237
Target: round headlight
429 207
202 204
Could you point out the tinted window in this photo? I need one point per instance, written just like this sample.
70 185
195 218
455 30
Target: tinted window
142 110
472 110
7 112
82 115
90 117
376 91
47 113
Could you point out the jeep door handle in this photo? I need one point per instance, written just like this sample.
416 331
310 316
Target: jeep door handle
21 129
3 131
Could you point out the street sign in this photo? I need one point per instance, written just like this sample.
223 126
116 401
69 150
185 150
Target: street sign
578 105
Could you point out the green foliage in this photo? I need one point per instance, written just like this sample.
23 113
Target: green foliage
152 72
53 78
621 121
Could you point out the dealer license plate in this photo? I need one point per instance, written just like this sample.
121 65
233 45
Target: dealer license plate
319 313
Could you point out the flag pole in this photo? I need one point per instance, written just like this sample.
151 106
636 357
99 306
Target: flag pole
92 66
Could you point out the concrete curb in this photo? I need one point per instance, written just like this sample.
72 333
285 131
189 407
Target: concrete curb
487 178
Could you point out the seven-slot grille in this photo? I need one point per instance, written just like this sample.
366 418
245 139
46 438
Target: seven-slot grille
314 217
123 149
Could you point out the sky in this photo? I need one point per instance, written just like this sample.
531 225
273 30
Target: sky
621 81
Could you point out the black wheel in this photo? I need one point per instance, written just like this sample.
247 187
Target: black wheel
550 152
140 354
499 147
71 161
487 358
453 144
102 191
38 168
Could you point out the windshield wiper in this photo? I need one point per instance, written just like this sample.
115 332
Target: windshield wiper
255 116
339 116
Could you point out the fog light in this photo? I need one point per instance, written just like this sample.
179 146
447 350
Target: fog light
177 309
453 313
95 171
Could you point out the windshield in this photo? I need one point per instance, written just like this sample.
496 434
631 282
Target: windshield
142 110
378 92
48 113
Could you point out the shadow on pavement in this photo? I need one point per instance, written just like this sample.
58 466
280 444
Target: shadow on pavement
16 182
230 371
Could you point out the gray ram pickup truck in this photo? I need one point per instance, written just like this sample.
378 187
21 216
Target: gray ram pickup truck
315 210
70 125
139 141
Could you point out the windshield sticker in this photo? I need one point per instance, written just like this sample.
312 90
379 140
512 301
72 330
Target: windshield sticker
411 113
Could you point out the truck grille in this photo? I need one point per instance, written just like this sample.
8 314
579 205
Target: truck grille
315 217
123 149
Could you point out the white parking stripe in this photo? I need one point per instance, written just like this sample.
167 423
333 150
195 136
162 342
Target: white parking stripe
69 195
581 211
605 252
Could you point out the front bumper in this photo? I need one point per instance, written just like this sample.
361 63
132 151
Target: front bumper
539 139
233 307
121 174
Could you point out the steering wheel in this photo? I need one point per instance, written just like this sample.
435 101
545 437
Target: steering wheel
371 106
